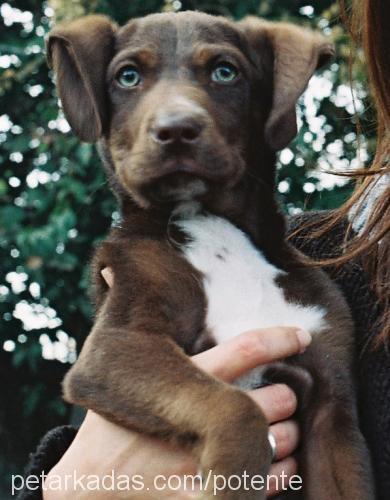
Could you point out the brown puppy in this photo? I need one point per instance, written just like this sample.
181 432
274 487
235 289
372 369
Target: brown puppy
188 110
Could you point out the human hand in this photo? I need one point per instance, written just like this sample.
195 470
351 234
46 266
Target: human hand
101 446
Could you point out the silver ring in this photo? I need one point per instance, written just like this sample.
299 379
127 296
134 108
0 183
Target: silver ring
272 443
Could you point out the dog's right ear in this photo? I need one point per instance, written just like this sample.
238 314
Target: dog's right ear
297 54
79 53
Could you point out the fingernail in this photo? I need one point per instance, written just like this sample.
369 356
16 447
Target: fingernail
304 338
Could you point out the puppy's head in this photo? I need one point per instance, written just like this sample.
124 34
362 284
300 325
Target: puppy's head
185 103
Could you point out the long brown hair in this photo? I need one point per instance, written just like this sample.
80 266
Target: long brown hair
369 26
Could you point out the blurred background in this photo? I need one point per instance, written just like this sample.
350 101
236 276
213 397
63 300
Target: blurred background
55 203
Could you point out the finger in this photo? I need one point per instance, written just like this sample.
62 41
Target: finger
286 435
279 476
108 275
233 358
278 401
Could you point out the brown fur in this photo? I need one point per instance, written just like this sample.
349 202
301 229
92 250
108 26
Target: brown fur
133 367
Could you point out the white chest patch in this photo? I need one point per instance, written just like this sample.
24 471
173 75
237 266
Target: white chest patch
239 283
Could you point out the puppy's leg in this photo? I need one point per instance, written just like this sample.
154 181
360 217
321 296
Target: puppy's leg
336 461
333 460
144 381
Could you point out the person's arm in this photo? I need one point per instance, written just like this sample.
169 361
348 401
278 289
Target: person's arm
101 447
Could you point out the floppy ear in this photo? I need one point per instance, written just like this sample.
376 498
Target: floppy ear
79 53
297 53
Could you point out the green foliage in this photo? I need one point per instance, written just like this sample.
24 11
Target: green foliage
55 203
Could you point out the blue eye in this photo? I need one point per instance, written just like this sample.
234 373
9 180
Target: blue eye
224 73
129 77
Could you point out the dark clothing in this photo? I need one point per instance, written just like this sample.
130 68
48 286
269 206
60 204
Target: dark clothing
373 366
49 451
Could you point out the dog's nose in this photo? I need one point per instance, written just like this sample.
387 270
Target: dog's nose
176 128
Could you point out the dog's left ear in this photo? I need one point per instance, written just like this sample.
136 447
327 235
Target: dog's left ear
79 53
297 53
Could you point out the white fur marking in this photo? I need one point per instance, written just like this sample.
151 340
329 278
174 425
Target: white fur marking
239 282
